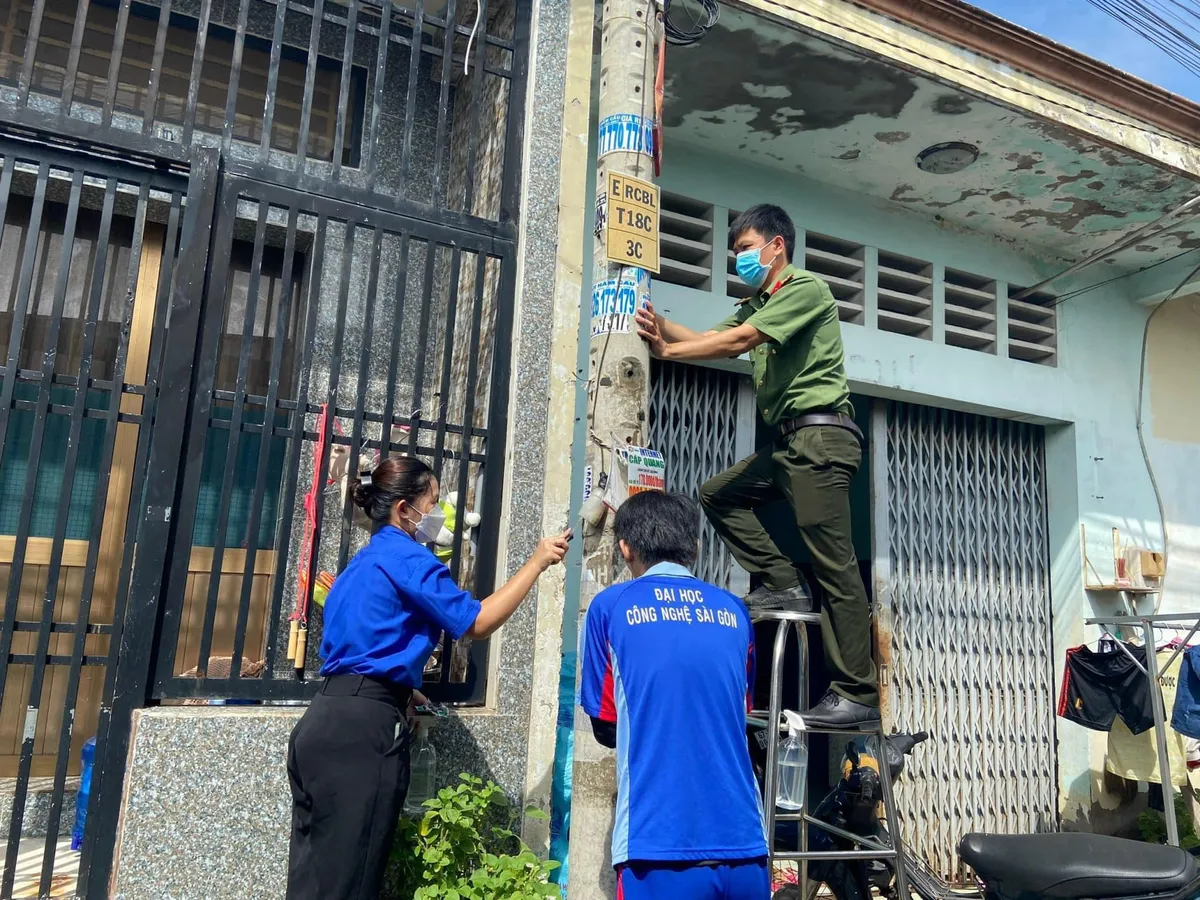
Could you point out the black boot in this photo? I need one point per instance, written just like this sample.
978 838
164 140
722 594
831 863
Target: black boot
836 712
793 599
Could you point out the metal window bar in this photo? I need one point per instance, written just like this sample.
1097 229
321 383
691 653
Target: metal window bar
264 147
269 407
72 72
447 338
363 381
297 434
400 290
156 66
343 109
477 81
235 74
231 451
35 30
422 331
33 696
310 72
469 411
389 53
114 69
156 532
193 98
371 158
60 531
443 113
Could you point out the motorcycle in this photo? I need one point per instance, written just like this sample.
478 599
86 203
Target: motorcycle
1007 867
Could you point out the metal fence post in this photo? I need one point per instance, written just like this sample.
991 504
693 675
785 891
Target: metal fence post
135 636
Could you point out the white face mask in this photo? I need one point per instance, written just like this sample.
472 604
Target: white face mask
429 525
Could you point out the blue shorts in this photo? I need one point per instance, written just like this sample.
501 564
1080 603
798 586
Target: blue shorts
748 879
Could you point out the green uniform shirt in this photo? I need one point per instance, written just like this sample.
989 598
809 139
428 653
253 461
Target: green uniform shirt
800 369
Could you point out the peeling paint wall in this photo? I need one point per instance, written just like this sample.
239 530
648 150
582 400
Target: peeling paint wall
870 32
853 99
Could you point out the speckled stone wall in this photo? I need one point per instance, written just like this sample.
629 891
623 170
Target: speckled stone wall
206 808
495 743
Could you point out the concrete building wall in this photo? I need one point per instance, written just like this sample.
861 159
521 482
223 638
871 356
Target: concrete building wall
1172 420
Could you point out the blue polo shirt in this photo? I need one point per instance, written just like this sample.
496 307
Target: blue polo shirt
670 660
385 613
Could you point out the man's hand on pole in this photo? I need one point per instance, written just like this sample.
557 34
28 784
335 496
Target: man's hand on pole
650 330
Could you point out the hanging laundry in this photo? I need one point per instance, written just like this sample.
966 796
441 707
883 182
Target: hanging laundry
1099 685
1135 756
1186 716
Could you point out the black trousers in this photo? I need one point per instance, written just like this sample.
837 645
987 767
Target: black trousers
811 469
348 768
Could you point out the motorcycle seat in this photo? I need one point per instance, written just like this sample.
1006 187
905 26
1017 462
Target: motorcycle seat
1076 866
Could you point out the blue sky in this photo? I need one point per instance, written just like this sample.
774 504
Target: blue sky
1079 25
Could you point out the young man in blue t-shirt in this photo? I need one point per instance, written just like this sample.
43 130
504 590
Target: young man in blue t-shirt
667 668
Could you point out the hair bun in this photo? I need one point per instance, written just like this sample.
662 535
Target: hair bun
364 492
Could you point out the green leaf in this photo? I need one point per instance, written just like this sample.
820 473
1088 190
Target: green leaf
532 812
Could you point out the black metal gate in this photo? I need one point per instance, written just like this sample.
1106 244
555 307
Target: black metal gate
82 253
232 269
394 302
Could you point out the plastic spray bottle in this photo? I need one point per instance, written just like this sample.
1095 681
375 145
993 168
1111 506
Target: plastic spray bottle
422 776
793 765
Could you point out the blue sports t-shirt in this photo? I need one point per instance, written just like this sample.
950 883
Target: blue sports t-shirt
386 611
670 660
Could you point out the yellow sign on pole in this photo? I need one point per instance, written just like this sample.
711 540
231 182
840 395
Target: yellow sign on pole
632 222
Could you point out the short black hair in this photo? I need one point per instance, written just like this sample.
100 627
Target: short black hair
769 221
659 527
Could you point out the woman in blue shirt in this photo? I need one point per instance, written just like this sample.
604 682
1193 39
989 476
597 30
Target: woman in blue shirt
348 755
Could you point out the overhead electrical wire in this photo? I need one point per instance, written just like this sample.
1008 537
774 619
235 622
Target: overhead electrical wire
1162 223
697 26
1088 288
1162 23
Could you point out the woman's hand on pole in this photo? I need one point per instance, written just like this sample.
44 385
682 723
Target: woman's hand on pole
551 551
499 607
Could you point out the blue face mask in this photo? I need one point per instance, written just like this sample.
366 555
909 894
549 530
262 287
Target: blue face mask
750 267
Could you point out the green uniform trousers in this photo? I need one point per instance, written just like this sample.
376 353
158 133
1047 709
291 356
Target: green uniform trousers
811 469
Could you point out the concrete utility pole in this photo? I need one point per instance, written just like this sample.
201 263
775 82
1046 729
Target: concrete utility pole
619 373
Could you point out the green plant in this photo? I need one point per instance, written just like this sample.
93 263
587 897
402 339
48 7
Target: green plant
464 848
1153 826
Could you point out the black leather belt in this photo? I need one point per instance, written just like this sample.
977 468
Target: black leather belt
808 420
369 688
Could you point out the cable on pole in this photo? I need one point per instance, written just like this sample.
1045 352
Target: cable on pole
697 26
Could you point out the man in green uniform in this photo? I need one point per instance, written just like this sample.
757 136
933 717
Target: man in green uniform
791 331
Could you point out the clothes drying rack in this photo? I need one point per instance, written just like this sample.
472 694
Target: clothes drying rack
1148 624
